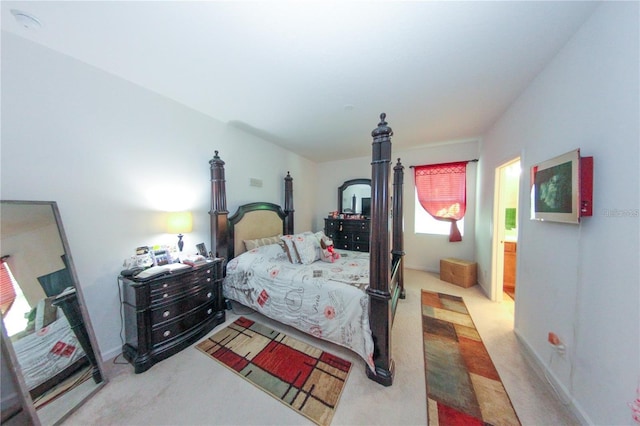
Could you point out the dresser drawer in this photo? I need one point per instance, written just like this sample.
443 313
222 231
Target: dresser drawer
363 246
355 226
361 238
332 223
171 288
168 312
163 333
344 245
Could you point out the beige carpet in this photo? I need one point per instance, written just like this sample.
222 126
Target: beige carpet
187 389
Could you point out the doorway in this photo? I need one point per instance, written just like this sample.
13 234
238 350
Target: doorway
505 231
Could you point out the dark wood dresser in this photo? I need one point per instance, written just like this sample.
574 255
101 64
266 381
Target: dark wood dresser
348 234
168 313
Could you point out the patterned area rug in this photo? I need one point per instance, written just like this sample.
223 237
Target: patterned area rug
463 386
304 378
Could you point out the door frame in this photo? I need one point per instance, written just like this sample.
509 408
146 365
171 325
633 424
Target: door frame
497 252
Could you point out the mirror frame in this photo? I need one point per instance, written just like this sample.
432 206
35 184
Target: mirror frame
346 185
7 347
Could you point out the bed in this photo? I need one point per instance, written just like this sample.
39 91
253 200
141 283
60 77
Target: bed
350 301
50 352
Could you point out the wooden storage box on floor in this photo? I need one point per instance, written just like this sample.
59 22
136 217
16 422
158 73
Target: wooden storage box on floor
459 272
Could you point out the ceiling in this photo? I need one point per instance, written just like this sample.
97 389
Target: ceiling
21 217
313 77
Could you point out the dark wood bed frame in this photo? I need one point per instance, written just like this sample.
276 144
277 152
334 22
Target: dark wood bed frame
386 270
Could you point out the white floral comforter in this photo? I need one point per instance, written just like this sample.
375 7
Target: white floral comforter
48 351
326 300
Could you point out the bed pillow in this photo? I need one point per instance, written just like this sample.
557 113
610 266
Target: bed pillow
307 246
251 244
290 249
320 235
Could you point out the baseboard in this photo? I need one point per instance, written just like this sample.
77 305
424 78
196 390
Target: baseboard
422 268
547 376
111 354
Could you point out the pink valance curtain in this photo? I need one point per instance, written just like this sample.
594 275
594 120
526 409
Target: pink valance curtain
442 192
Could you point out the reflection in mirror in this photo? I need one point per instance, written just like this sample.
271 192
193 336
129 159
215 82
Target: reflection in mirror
354 197
46 333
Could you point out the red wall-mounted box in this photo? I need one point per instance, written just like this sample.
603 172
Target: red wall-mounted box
586 186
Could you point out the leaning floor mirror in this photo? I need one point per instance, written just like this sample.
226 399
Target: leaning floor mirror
48 344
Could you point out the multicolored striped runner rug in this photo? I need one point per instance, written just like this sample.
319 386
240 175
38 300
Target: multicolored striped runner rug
463 386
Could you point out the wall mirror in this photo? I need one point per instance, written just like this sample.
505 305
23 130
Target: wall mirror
354 197
47 338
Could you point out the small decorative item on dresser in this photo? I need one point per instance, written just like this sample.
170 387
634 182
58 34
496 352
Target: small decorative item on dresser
169 312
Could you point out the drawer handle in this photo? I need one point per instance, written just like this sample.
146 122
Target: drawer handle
166 314
164 296
165 285
340 229
209 311
208 271
166 333
208 280
209 295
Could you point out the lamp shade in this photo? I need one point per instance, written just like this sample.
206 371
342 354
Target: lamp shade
180 222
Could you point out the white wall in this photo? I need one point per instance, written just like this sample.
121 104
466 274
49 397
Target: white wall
116 157
580 281
422 251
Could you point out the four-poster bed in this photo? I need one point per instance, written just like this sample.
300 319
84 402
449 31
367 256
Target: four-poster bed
363 294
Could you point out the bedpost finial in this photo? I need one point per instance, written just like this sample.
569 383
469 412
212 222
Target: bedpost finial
398 165
382 129
216 160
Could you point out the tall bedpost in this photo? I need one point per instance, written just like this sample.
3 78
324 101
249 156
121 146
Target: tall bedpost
288 205
218 213
380 313
398 235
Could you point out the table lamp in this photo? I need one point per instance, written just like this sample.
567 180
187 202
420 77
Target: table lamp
179 223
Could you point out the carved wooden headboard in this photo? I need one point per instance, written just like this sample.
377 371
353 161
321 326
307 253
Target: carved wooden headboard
263 219
253 221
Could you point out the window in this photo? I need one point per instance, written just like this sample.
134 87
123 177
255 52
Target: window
426 224
14 302
441 191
